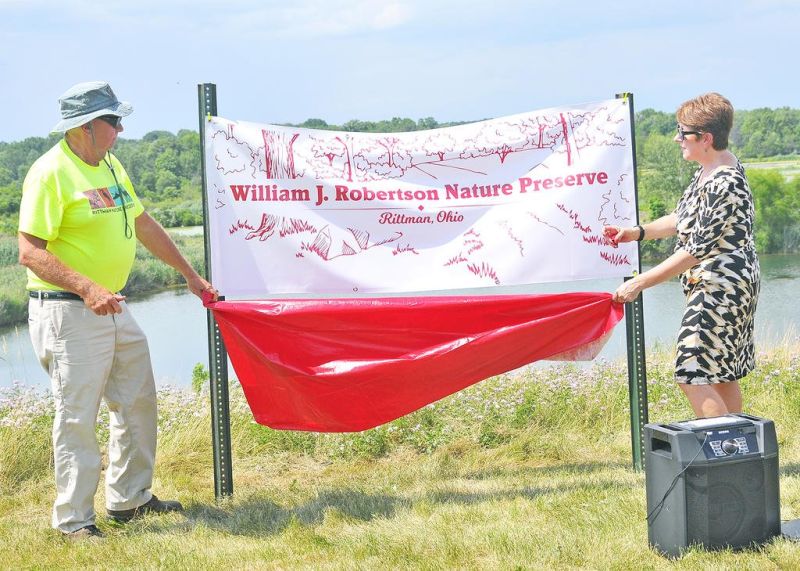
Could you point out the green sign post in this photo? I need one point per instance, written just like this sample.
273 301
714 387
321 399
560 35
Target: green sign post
634 329
217 355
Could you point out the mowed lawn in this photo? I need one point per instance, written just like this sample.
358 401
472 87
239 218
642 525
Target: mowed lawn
530 470
789 168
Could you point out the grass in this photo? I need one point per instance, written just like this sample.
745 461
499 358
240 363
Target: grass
523 471
148 275
789 167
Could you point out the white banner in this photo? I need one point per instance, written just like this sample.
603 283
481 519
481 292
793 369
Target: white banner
510 201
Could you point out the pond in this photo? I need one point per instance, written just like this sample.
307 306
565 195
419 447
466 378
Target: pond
175 323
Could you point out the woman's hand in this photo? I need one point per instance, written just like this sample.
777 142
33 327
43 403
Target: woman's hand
628 291
617 234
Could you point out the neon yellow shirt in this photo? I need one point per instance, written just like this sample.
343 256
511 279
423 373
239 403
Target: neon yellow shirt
77 208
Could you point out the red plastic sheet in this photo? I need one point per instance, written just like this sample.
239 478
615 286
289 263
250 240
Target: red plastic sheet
342 365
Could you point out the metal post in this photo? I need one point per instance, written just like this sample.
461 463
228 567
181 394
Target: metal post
217 355
634 329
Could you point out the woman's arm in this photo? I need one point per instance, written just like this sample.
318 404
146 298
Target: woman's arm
673 266
661 228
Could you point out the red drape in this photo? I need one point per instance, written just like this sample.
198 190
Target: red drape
341 365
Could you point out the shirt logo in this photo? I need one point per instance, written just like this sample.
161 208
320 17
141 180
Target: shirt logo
108 197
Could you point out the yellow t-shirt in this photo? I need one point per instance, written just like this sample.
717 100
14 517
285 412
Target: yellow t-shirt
77 208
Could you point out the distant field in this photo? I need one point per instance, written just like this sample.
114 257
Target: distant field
790 168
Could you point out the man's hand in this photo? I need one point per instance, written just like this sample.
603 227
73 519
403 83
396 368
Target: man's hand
198 285
33 255
103 302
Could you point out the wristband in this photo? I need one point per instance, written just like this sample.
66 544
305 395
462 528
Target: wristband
641 233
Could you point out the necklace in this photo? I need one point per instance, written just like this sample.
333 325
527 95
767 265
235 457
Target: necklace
121 191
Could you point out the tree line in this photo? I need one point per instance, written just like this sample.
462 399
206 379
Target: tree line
756 135
165 169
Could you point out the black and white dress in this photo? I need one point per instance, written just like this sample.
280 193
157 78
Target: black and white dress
715 225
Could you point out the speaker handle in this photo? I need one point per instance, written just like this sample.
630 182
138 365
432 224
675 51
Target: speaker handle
661 445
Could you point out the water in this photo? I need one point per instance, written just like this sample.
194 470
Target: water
175 323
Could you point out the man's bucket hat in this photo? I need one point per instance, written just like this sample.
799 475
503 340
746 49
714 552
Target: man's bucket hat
86 101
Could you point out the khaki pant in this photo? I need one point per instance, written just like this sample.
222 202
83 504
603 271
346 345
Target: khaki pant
89 358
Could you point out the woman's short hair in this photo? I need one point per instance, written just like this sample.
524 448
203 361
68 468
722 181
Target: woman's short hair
708 113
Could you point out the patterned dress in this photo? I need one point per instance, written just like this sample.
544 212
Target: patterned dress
715 225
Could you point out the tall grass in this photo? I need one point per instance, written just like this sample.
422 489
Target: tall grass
13 303
149 274
523 471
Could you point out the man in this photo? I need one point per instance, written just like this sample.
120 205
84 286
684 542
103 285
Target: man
78 224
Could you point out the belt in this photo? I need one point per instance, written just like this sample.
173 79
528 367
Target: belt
54 295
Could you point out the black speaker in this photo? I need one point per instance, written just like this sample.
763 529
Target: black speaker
712 482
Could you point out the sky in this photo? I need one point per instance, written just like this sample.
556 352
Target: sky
337 60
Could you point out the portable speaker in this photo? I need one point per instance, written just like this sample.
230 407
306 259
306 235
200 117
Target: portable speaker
712 482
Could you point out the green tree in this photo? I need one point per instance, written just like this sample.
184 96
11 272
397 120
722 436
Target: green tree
167 160
10 196
314 124
663 174
766 132
777 209
427 123
167 184
6 176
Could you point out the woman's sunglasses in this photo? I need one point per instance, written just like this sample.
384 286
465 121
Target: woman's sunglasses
682 134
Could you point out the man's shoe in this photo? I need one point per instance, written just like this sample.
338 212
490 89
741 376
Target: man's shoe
154 505
88 532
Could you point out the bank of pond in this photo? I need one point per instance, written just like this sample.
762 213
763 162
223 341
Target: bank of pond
175 322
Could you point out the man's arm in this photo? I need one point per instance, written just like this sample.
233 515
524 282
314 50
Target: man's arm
33 255
155 238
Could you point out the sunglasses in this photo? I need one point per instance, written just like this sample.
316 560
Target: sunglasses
682 134
112 120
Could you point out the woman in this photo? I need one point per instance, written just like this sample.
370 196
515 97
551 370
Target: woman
715 257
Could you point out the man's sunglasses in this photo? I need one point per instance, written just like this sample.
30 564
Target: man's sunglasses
682 134
112 120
